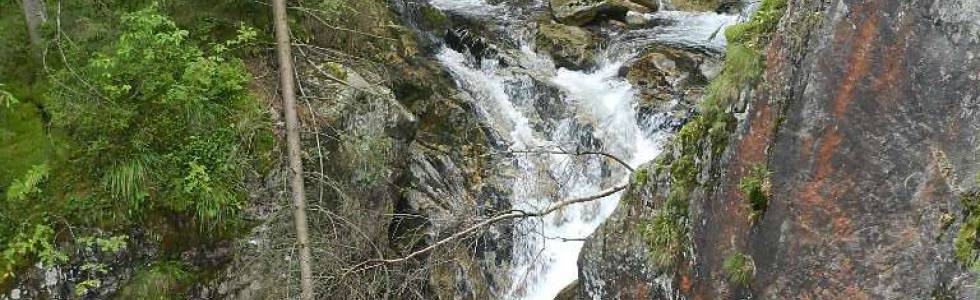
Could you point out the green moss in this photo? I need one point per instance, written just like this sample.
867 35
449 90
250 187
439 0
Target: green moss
744 60
432 18
756 187
965 245
666 232
739 268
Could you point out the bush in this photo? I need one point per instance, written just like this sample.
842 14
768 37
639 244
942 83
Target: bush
158 122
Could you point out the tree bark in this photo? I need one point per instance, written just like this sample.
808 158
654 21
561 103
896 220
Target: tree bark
35 15
292 142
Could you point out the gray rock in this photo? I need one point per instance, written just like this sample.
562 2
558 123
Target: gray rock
580 12
635 18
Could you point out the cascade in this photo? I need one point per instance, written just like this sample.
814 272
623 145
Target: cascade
598 113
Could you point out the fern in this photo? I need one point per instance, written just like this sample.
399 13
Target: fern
22 188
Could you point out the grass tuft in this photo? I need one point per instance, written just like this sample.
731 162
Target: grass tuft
739 267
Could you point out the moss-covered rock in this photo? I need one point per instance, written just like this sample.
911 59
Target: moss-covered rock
570 46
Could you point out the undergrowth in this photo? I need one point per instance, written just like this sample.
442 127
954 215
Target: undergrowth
130 117
161 281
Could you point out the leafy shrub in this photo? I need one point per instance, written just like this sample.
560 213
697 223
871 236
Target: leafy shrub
158 121
739 267
29 236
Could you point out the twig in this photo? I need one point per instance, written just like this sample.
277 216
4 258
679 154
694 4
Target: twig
577 152
513 214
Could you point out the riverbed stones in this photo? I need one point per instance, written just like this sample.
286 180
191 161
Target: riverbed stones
570 46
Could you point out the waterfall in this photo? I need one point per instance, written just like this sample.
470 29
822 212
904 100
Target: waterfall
596 111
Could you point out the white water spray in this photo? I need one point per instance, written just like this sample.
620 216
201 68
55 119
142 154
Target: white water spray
601 108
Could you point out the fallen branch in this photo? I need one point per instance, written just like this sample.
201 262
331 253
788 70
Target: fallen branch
514 214
578 152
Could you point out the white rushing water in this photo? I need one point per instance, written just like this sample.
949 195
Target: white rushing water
600 115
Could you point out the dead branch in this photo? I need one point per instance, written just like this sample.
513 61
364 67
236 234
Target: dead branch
577 152
514 214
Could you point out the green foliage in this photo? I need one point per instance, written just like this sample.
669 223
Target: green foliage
23 141
104 244
739 267
161 281
754 33
24 187
641 177
756 186
158 120
6 98
31 236
432 18
35 240
91 271
666 235
744 60
706 135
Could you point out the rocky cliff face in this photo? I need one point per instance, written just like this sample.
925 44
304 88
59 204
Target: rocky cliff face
866 121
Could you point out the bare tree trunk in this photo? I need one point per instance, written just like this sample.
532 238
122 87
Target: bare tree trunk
283 48
35 16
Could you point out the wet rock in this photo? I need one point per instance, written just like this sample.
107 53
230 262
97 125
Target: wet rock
570 46
653 5
635 19
666 76
581 12
570 292
615 260
868 122
730 6
463 41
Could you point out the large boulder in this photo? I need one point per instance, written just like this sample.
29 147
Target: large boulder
570 46
581 12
